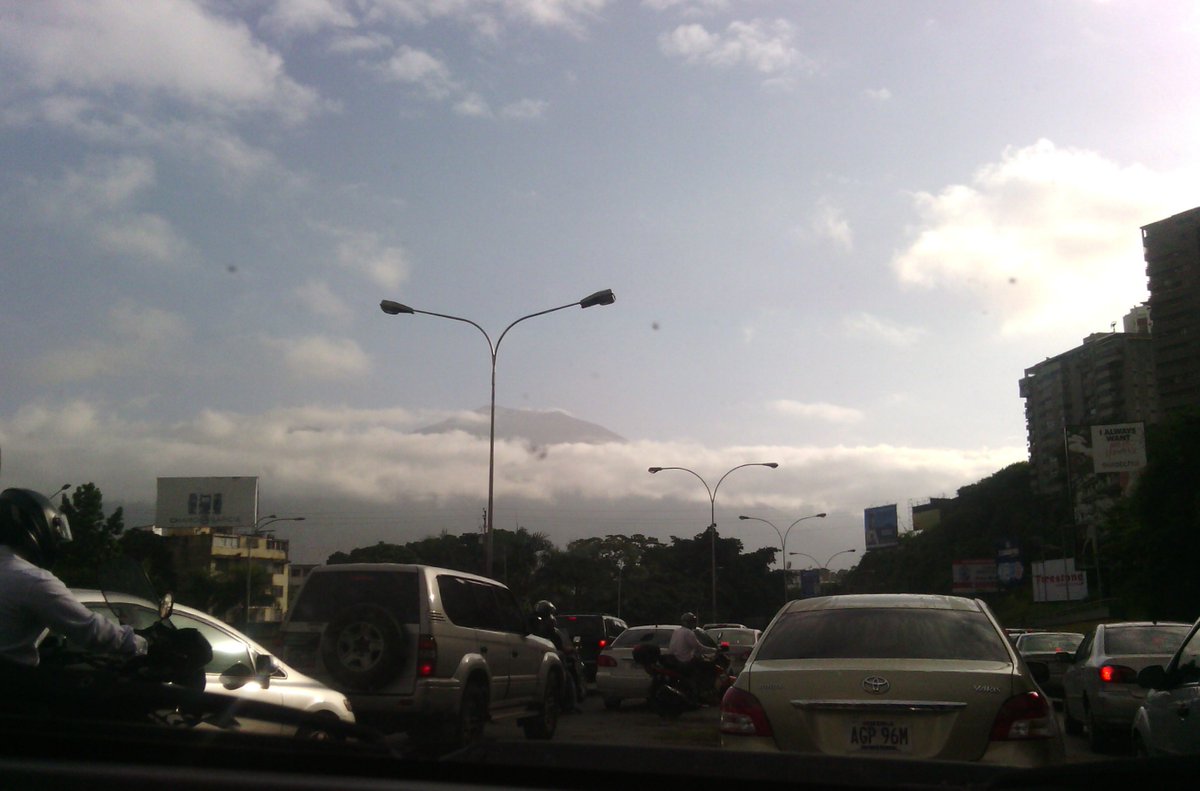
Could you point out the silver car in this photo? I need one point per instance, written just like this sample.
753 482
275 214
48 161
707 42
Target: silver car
284 686
1168 722
620 678
899 675
1100 690
740 641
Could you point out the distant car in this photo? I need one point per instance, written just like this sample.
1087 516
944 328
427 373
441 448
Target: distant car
890 675
1168 721
710 626
1100 690
1052 648
594 633
285 686
618 676
741 642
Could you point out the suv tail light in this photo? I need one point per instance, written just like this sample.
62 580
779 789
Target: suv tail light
426 655
606 660
743 715
1027 716
1118 674
601 644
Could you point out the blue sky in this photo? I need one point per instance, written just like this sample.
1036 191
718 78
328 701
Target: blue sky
838 233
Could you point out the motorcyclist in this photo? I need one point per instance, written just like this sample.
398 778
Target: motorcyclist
690 656
32 599
546 625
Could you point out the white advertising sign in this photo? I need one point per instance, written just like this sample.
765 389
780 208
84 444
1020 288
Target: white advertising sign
1119 447
207 502
1057 580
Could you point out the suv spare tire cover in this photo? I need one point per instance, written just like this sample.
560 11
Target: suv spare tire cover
363 647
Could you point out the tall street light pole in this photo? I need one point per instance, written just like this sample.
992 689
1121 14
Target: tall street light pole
255 531
783 555
712 510
391 308
827 562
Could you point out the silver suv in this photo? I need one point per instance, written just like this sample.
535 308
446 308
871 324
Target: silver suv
430 651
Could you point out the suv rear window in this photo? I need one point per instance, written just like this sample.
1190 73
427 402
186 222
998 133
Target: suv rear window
326 594
1143 639
884 633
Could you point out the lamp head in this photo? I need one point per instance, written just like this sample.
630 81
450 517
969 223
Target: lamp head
605 297
394 308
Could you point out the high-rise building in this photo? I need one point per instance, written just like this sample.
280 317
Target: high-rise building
1172 252
1108 379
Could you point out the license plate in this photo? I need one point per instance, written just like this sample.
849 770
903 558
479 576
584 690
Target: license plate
880 736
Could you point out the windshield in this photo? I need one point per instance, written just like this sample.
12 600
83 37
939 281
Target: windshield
370 328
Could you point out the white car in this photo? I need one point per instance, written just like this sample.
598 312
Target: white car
893 676
620 678
1168 722
285 686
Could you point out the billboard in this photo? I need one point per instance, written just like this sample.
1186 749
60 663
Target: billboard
974 576
207 502
1119 447
1010 571
882 526
810 583
1057 580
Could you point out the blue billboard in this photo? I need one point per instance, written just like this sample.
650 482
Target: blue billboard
883 526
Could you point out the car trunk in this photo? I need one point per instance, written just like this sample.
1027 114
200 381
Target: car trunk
919 708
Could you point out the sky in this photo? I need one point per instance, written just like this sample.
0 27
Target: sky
837 232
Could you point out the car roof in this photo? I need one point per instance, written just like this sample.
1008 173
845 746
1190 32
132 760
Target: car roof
875 600
339 568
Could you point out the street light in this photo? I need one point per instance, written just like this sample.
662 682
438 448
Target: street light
255 531
391 308
783 542
712 506
827 562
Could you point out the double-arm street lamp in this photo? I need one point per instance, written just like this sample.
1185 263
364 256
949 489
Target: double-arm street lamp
783 542
824 565
712 511
395 308
255 531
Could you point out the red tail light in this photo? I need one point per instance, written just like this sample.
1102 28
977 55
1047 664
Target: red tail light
1027 716
743 715
426 655
602 644
605 660
1118 674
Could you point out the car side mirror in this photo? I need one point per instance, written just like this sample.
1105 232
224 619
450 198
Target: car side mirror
237 676
1040 671
265 667
1152 677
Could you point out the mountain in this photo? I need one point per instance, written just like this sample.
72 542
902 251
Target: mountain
537 428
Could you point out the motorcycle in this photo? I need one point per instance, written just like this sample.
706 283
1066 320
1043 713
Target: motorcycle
674 691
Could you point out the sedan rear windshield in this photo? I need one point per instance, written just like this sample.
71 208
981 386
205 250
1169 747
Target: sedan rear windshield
1049 643
886 633
1143 639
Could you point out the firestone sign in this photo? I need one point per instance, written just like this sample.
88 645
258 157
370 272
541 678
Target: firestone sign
1057 580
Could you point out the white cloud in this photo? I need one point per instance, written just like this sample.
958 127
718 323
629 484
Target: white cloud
765 46
473 106
417 67
525 109
317 297
829 222
158 49
688 7
878 94
1046 237
306 17
386 265
829 413
320 357
134 338
864 325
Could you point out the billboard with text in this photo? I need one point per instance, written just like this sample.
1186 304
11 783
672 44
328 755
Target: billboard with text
974 576
230 503
1057 580
882 526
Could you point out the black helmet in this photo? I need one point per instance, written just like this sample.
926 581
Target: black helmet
545 610
688 619
32 526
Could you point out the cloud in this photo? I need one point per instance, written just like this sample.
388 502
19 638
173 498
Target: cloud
764 46
878 94
688 7
385 265
99 200
174 50
829 413
473 106
864 325
829 222
305 17
317 297
320 357
418 68
525 109
133 338
1046 237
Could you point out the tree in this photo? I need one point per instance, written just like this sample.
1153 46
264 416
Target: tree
94 543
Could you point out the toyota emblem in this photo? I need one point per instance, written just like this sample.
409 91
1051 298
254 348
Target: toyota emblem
876 685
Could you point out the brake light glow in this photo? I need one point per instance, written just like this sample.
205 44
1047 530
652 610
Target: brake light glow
743 715
426 655
602 643
1022 717
605 660
1118 674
